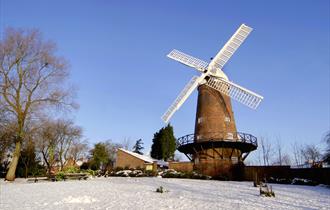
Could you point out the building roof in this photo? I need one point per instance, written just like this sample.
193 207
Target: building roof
142 157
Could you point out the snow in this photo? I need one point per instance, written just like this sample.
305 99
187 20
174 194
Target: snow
139 193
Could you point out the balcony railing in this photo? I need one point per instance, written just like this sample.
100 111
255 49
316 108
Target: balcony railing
212 137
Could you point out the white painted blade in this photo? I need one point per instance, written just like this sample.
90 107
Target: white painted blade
188 60
235 91
229 49
185 93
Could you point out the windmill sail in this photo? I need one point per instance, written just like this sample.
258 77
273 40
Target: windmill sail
229 49
235 91
188 60
185 93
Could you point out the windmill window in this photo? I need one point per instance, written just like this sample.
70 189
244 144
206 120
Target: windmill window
200 120
227 119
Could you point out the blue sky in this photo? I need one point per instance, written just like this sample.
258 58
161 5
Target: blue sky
117 51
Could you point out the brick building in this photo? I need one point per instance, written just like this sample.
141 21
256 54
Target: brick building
128 159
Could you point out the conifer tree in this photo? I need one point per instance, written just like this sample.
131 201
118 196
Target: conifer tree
137 148
164 144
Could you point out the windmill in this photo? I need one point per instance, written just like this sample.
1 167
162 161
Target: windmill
215 144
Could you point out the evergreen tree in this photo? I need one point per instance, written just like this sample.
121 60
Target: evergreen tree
138 147
156 147
163 144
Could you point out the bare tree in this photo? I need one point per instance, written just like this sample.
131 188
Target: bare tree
266 148
46 142
281 158
279 150
66 133
79 149
31 79
297 154
286 160
311 154
126 143
112 151
56 142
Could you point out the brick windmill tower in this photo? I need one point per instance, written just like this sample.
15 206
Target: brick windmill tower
216 146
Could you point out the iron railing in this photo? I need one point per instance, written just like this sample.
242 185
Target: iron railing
234 137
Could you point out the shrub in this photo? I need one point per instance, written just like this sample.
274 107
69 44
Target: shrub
298 181
170 173
59 176
160 189
279 180
88 171
71 169
84 166
150 173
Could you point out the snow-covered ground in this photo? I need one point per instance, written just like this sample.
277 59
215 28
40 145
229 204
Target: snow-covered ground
139 193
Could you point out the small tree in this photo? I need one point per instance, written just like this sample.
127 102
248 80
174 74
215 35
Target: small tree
157 147
266 148
297 154
138 147
100 156
311 154
78 149
164 144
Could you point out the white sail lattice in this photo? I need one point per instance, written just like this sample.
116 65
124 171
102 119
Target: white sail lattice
235 92
185 93
229 48
188 60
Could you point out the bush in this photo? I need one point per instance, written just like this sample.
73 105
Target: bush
84 166
88 171
71 169
160 189
279 180
131 173
59 176
170 173
298 181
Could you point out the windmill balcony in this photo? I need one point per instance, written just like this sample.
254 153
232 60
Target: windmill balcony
191 143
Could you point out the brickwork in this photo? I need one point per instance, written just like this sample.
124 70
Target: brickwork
181 166
214 115
126 160
215 120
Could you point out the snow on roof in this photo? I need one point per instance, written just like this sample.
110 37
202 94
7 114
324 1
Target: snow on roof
142 157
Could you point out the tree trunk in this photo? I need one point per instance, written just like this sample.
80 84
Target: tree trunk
26 171
13 164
